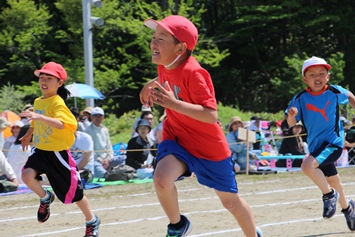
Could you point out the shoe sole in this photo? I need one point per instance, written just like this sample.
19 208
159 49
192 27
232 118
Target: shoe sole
187 231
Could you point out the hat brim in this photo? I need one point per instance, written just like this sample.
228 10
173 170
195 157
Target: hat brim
233 122
327 66
150 128
38 72
152 24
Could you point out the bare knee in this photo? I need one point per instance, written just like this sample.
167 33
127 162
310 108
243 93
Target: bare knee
28 175
161 182
230 204
306 168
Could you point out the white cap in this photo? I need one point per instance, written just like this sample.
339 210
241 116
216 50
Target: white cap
145 108
97 110
18 124
314 61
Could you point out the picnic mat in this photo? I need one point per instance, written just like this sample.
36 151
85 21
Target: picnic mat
21 190
120 182
24 189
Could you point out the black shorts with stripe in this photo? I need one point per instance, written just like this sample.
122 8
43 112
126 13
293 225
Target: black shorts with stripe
62 173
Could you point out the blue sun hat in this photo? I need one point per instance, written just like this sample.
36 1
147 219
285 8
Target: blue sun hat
143 122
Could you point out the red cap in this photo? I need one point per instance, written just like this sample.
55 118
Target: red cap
180 27
53 69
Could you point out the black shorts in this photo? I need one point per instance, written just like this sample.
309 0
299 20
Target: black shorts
61 171
327 155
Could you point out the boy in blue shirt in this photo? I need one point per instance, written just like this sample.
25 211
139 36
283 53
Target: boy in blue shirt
318 108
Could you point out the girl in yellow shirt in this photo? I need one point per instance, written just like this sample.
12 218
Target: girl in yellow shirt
52 128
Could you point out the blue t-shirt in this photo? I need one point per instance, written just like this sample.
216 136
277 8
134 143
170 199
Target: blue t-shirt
319 113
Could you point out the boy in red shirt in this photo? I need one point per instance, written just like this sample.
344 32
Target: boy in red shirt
192 139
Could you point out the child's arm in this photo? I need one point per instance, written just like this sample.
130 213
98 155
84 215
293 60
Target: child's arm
144 95
165 98
53 122
351 99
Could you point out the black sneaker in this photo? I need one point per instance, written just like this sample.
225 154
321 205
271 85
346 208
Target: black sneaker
182 232
350 216
92 229
44 210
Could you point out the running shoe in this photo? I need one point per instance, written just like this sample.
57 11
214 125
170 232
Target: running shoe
350 215
330 205
182 232
44 210
92 229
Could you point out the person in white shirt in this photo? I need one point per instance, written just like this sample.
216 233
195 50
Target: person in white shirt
15 130
83 151
16 156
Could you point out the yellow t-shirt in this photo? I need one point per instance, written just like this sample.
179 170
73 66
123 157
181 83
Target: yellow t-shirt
48 138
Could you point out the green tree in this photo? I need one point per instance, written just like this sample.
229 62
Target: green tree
23 26
11 99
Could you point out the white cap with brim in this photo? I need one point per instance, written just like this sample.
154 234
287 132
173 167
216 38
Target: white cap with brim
145 108
18 123
97 110
314 61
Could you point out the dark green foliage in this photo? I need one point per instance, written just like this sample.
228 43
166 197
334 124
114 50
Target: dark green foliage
253 49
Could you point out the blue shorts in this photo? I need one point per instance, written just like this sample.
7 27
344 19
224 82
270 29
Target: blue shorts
218 175
326 155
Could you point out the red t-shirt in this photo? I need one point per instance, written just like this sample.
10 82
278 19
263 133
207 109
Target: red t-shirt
193 84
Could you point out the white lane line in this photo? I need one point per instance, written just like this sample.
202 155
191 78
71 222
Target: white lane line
185 190
198 212
189 213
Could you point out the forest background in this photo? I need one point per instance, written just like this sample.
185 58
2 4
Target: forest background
253 49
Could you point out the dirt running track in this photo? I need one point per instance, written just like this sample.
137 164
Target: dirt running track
285 204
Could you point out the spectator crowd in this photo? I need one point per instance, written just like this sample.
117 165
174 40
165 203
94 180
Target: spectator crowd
93 150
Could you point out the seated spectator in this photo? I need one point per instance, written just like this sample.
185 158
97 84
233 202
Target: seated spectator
75 112
15 130
86 116
238 147
255 125
134 125
103 152
17 157
148 115
83 151
142 156
7 173
293 145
